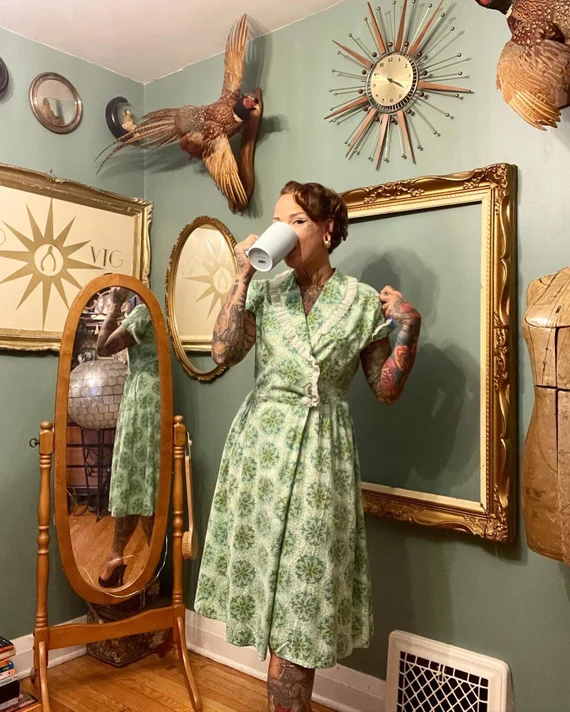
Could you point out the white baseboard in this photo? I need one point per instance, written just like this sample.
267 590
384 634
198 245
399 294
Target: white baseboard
24 658
341 688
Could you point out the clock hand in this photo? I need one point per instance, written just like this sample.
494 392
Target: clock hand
393 81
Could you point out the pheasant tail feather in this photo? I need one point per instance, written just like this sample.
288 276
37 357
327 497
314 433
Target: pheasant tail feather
158 128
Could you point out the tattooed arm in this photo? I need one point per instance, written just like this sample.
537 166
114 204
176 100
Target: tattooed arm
387 369
113 338
234 331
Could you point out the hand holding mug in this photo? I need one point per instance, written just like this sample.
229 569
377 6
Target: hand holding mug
244 267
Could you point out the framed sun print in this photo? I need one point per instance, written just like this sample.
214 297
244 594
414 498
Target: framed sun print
55 236
445 454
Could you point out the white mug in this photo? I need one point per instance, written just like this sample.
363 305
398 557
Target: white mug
272 246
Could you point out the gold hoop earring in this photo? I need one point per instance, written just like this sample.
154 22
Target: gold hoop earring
327 242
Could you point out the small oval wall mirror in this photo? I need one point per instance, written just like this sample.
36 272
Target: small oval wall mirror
201 272
113 439
55 102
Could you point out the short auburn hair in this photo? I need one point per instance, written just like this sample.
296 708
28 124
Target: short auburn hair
321 204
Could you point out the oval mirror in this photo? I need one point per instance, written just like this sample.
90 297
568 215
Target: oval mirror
200 274
55 102
113 439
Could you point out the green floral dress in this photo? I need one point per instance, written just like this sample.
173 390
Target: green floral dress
136 454
285 562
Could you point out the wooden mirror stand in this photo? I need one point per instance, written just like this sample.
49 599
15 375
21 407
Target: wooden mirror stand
171 617
173 443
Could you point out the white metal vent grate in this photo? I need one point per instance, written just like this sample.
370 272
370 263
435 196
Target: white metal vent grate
425 685
427 676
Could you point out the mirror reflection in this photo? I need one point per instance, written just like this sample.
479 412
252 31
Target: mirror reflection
113 438
57 102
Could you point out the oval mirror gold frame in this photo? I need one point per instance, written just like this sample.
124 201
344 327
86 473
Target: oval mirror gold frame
42 112
171 275
80 585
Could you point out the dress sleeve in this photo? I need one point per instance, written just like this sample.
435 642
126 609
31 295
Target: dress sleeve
138 322
255 296
381 327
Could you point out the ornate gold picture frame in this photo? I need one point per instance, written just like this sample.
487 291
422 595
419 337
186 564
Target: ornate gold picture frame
55 236
493 517
201 272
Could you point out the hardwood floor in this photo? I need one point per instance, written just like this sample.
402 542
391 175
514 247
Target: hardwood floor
152 685
91 541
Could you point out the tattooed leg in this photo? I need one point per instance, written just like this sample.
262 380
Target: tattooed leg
147 524
289 686
124 530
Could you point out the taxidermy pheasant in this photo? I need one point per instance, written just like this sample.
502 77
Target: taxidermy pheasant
204 131
534 68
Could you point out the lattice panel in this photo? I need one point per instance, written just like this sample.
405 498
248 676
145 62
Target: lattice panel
427 676
425 685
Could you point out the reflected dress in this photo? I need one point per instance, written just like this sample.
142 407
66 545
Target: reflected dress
285 562
136 452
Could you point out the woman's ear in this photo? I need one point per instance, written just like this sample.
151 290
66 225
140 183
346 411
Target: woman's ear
329 227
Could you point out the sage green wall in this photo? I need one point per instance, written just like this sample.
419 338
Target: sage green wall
502 601
27 381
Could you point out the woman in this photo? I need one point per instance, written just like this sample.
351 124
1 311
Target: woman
285 562
136 453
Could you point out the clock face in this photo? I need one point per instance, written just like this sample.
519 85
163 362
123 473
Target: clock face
392 82
399 77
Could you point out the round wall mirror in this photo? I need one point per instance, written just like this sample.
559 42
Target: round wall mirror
55 102
113 436
201 272
4 78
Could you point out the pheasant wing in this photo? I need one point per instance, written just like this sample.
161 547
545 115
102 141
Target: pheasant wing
234 59
222 166
531 79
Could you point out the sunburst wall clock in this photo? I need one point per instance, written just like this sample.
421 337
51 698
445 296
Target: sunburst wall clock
398 81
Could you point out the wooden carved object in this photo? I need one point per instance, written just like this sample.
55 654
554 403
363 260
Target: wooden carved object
546 453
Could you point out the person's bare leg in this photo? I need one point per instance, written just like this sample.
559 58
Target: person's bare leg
147 524
124 530
289 686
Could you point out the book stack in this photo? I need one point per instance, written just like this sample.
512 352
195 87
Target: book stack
12 699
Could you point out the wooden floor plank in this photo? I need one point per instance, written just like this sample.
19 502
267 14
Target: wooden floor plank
152 685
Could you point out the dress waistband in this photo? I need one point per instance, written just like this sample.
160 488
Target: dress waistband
297 398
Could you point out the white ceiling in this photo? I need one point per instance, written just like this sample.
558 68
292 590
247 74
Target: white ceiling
145 39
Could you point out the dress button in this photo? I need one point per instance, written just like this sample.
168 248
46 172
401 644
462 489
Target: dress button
305 400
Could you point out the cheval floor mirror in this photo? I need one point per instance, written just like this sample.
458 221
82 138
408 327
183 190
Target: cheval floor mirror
111 517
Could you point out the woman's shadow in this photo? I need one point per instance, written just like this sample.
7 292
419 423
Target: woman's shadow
429 440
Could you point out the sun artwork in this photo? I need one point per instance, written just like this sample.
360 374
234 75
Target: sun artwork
397 79
206 272
217 275
47 260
